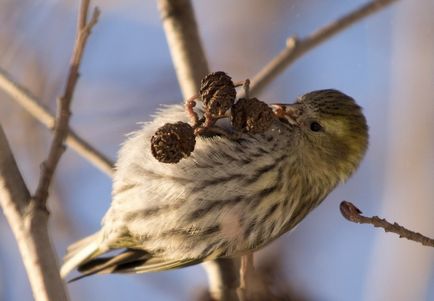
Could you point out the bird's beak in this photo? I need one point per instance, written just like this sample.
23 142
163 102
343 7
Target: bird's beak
289 112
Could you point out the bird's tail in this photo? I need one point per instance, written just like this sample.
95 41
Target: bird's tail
81 252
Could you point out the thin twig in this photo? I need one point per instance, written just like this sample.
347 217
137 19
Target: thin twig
295 48
246 271
32 105
63 109
353 214
246 87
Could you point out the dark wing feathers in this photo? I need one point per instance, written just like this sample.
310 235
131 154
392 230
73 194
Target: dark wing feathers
130 261
114 264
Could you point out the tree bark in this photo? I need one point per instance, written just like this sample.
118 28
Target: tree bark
185 45
29 225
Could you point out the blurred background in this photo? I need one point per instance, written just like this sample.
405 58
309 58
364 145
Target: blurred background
386 62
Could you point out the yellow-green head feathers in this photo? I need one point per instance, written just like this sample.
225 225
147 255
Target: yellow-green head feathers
333 123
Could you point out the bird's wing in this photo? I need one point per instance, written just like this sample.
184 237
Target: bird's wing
130 261
157 265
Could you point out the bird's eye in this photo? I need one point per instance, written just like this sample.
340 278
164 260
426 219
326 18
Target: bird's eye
315 126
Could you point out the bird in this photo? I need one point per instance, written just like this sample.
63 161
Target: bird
230 197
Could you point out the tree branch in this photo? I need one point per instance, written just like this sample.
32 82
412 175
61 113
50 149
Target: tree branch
184 42
82 15
295 48
29 103
33 241
63 112
353 214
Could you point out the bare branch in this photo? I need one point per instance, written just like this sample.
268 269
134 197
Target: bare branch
32 237
82 15
353 214
63 113
29 103
295 48
247 265
12 186
184 43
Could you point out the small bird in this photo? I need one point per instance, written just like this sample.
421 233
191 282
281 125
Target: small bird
230 197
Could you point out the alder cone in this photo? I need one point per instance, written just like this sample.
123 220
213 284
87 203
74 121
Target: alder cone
251 115
218 92
172 142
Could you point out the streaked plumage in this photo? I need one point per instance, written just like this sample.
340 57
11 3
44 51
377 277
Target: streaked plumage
229 197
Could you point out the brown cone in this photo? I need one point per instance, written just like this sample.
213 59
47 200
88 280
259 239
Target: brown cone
251 115
172 142
218 92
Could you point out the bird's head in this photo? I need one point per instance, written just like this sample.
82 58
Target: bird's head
330 128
